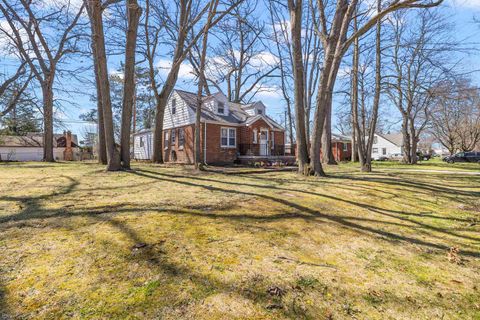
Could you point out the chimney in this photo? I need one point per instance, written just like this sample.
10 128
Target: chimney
69 139
68 152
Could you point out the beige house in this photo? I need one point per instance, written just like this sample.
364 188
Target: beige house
30 147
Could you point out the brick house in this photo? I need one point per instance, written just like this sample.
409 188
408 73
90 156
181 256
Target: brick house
230 132
341 147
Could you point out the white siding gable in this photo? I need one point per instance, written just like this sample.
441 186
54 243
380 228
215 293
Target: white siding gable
212 104
143 145
255 108
183 114
383 147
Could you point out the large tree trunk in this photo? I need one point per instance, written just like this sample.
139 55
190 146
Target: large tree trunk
113 156
102 152
327 154
406 140
134 12
101 149
47 92
295 9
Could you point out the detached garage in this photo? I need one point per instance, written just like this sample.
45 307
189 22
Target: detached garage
30 147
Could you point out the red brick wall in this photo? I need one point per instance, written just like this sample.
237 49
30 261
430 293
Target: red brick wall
185 154
216 154
339 154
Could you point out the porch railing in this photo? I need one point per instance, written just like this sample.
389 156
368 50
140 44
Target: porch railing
261 149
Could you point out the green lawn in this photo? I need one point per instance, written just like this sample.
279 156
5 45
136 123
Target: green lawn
168 243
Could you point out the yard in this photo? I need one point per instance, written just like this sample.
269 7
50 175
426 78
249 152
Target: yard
166 242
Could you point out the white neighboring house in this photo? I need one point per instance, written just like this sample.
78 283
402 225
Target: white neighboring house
30 147
386 145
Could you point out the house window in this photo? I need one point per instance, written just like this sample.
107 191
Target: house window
166 140
384 151
181 137
345 147
228 137
255 135
221 108
259 111
173 136
174 106
141 142
375 139
272 136
375 150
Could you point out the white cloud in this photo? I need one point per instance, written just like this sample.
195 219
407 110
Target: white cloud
186 69
268 91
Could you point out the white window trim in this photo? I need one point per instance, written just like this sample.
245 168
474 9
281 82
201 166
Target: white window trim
255 136
272 139
345 146
228 137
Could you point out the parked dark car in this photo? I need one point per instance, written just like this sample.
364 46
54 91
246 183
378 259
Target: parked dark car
422 156
464 157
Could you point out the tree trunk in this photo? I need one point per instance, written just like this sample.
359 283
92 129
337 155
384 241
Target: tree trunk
113 156
327 154
47 92
354 96
202 82
162 99
157 156
414 143
134 12
367 163
102 152
101 149
406 140
295 9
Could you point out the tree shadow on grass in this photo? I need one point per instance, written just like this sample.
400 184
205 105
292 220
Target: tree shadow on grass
304 211
33 209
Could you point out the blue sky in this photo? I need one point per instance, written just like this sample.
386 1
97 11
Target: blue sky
460 13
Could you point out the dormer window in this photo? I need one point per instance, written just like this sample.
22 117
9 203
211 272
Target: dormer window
259 111
174 106
220 108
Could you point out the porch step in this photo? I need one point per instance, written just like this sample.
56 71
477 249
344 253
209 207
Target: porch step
252 160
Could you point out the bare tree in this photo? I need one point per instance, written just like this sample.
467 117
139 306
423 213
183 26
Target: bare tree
241 58
13 84
365 129
178 25
283 51
295 8
202 83
133 12
30 26
455 115
417 64
95 9
333 25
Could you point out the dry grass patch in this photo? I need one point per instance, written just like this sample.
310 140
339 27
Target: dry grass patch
165 242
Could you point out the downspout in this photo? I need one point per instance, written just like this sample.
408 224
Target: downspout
205 144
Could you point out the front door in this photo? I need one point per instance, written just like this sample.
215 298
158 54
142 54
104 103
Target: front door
264 142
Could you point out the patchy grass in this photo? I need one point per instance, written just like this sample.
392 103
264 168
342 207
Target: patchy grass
169 243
